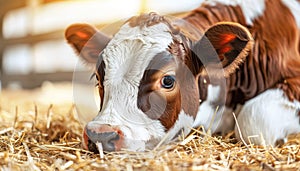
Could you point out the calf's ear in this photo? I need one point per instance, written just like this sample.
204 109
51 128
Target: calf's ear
224 44
87 41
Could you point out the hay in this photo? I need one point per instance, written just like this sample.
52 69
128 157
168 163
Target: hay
39 136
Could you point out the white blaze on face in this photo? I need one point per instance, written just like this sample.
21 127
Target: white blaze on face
126 58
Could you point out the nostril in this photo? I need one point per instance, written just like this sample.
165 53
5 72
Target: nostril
92 146
115 137
107 139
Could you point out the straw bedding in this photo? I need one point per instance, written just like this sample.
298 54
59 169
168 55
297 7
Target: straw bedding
37 135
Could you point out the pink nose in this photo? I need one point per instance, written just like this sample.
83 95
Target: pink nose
110 137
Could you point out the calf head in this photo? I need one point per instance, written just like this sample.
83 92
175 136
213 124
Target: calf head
148 77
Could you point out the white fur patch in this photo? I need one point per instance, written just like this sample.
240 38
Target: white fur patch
268 117
251 8
294 6
126 57
206 112
184 123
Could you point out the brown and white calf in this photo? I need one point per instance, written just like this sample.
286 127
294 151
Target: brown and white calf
159 77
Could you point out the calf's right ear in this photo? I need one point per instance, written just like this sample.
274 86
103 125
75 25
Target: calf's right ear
87 41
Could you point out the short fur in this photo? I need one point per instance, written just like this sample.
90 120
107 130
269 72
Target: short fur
249 53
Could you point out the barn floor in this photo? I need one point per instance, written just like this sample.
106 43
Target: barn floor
40 130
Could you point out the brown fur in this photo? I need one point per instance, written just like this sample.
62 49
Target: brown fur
167 102
273 62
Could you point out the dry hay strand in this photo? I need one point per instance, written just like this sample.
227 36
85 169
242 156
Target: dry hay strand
48 137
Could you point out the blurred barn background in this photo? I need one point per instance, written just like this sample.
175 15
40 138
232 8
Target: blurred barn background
32 45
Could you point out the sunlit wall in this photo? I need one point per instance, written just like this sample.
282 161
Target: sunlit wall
56 55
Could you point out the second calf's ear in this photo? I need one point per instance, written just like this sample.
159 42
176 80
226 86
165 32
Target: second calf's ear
87 41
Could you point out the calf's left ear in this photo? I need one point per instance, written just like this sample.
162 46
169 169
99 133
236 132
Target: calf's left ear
225 44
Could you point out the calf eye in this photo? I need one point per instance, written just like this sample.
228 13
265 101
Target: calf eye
168 82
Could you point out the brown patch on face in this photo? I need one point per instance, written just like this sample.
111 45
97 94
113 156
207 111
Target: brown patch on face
154 100
186 73
188 89
162 103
